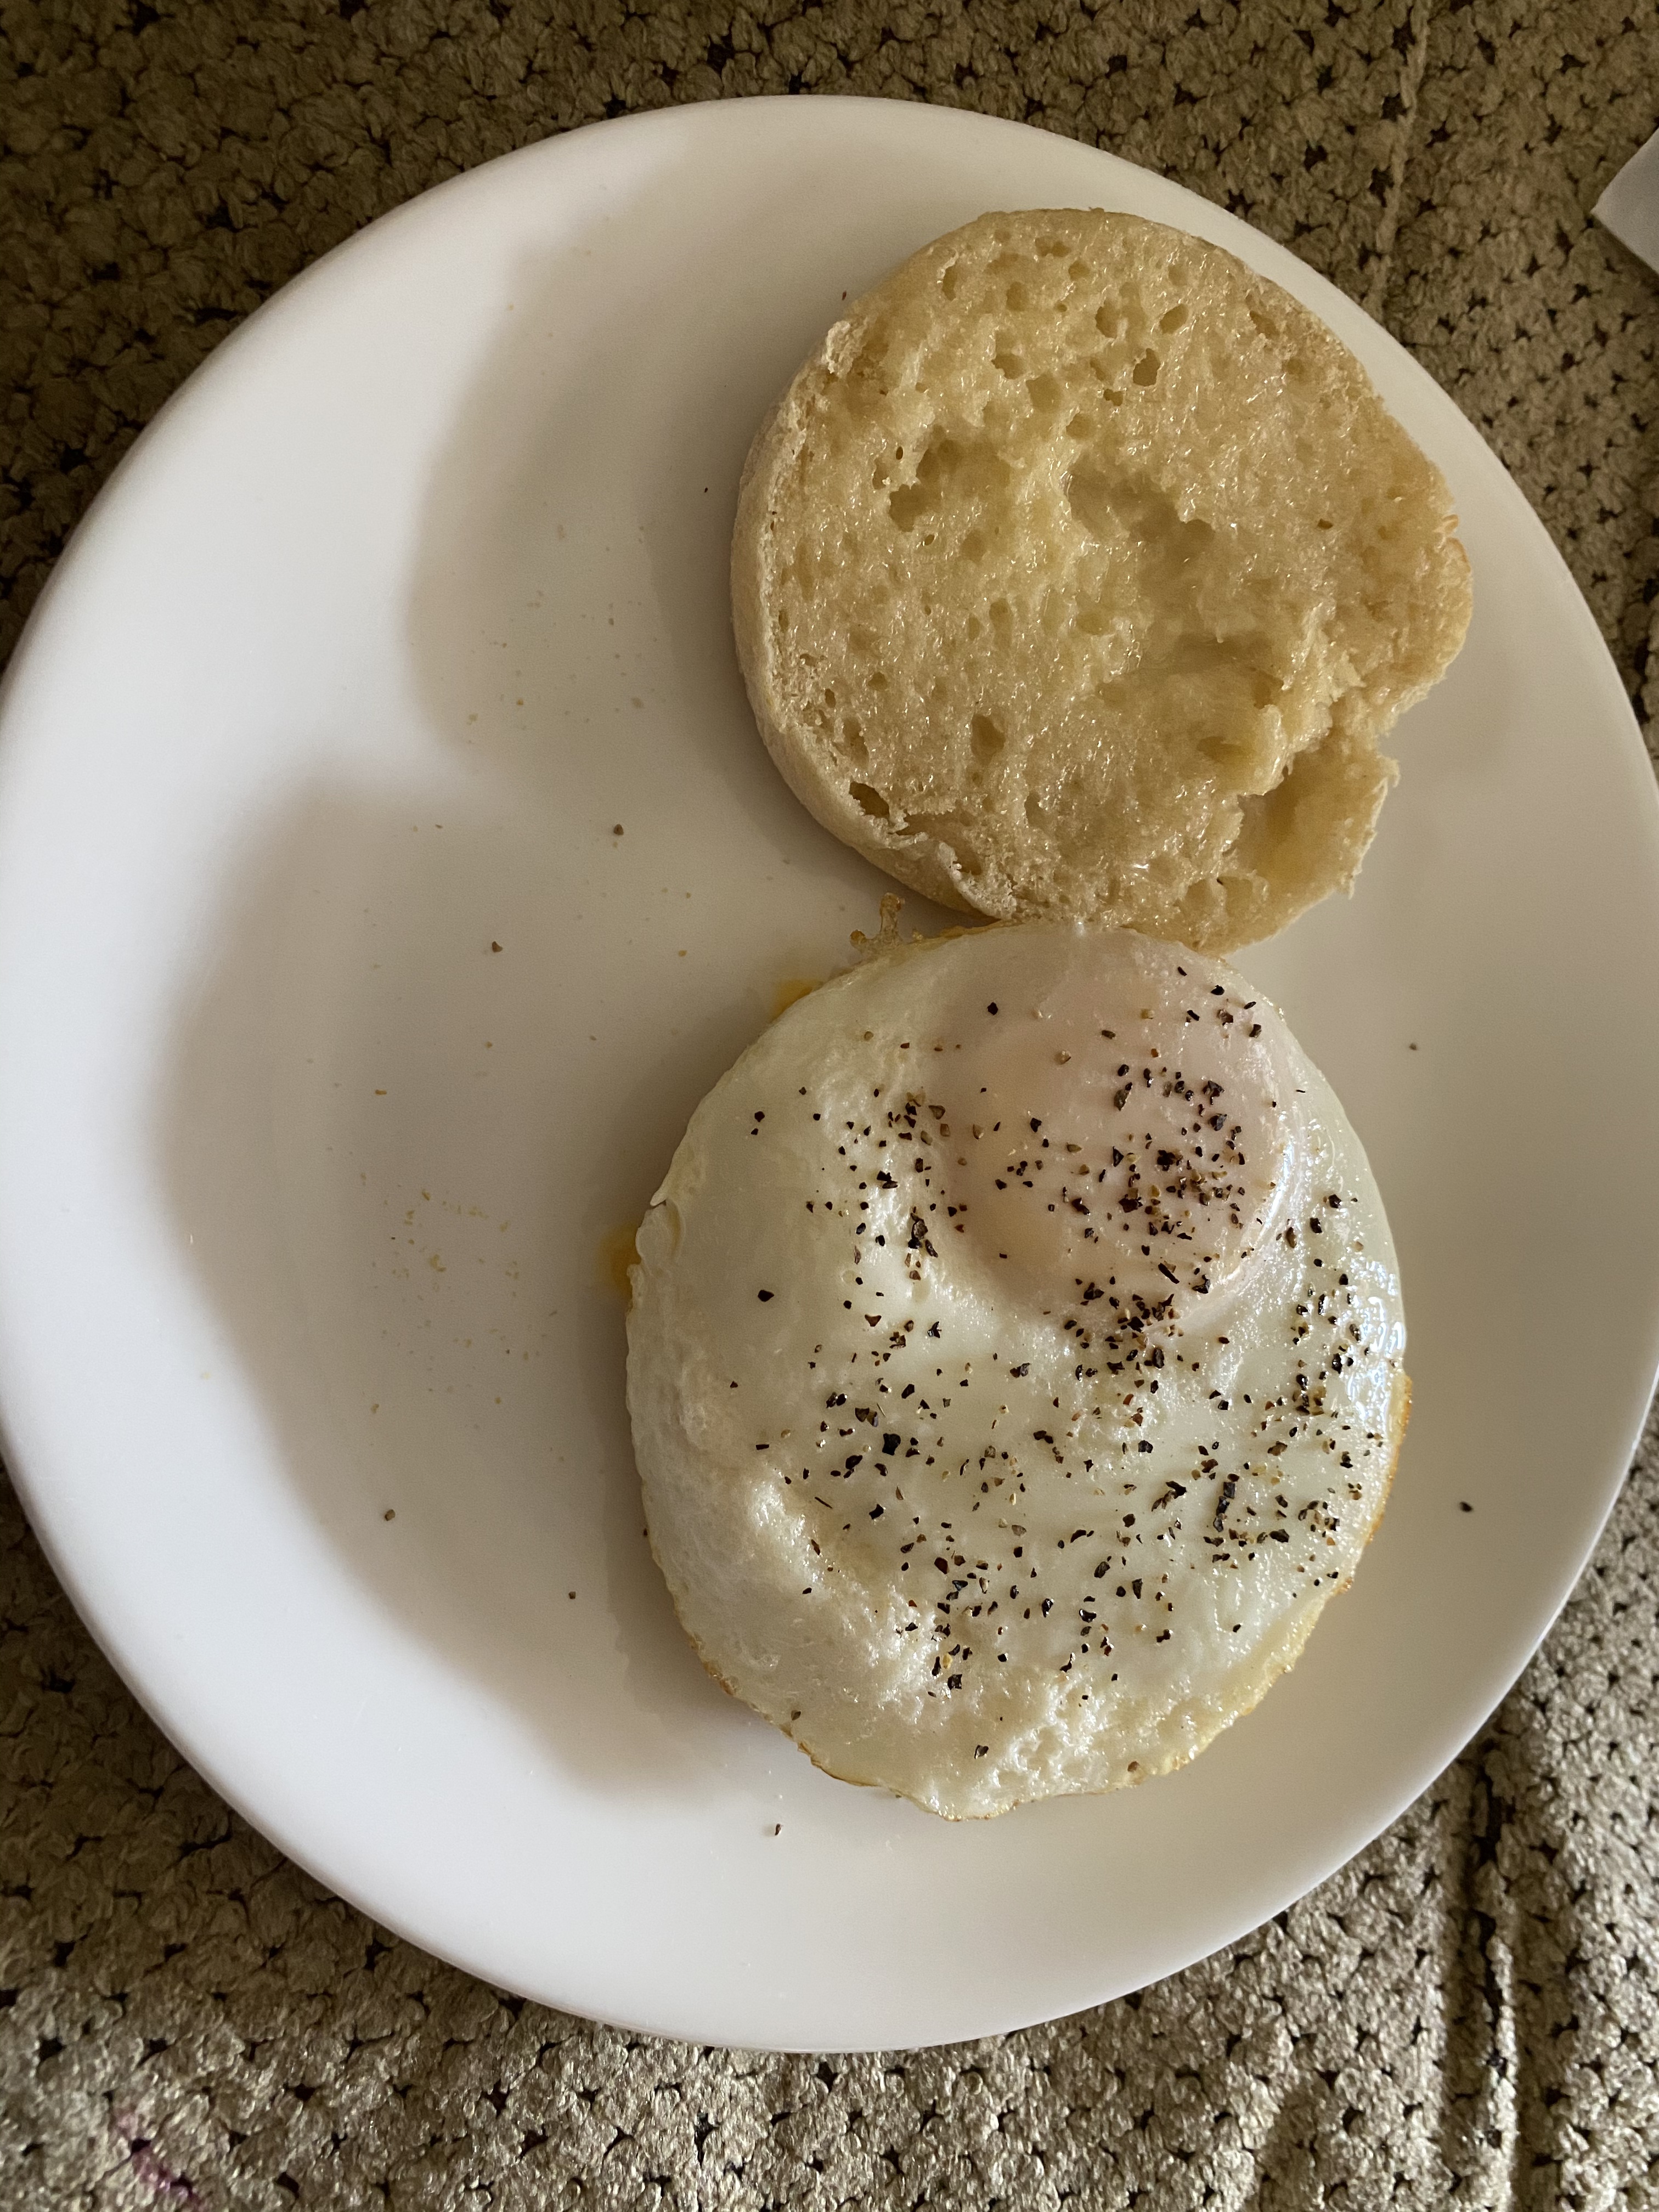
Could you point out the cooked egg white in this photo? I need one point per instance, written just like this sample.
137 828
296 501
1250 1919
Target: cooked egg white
1014 1364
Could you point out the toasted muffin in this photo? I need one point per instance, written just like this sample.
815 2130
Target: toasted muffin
1081 572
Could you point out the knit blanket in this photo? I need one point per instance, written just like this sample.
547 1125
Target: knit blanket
1465 2015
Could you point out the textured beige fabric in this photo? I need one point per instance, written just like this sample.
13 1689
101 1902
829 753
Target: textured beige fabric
1466 2016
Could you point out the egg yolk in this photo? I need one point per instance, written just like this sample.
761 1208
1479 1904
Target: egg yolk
1134 1150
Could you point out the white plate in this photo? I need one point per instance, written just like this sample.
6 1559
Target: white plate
417 590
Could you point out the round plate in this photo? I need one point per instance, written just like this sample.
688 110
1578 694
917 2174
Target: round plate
388 863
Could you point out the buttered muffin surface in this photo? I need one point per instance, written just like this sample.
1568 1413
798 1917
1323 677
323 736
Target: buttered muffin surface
1015 1364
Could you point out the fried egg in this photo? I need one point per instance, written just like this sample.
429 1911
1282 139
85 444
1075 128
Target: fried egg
1015 1364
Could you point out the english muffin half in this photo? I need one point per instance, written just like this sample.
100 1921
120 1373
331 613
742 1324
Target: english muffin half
1080 571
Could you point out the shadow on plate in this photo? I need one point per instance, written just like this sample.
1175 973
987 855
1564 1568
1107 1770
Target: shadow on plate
371 1173
455 1024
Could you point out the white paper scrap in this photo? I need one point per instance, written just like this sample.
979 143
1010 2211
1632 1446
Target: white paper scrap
1630 206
